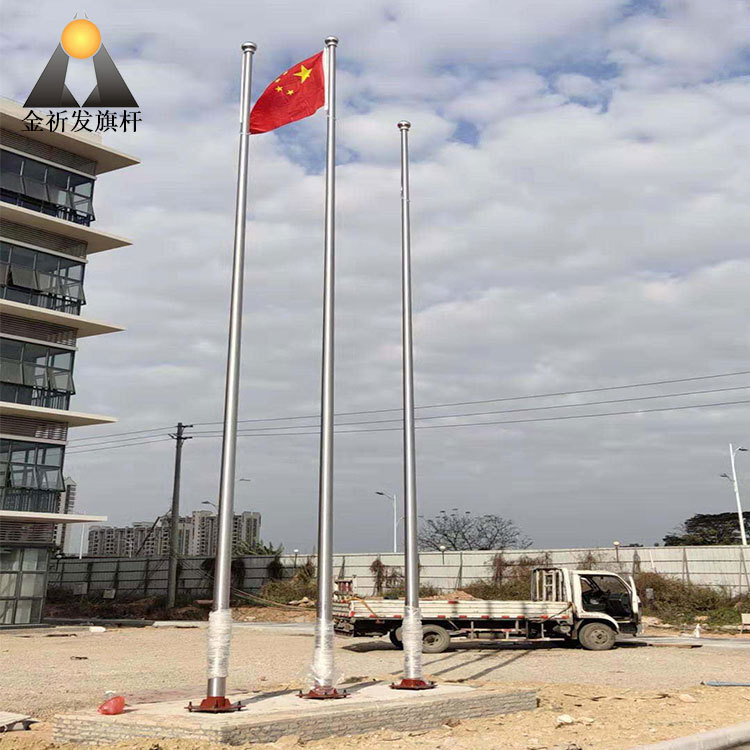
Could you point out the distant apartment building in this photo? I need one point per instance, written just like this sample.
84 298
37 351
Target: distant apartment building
196 535
47 238
65 506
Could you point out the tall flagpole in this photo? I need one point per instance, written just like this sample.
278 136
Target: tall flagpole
322 663
220 619
411 630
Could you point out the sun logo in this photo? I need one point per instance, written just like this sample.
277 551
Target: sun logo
80 39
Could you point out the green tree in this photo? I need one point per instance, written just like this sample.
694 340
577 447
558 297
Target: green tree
708 528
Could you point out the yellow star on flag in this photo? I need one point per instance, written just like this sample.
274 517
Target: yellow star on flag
279 88
303 73
290 91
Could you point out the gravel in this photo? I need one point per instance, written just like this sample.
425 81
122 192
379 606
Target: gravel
41 676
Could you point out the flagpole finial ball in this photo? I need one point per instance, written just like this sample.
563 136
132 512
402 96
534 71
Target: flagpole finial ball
249 46
404 125
332 41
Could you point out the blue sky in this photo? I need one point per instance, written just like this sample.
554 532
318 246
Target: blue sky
579 194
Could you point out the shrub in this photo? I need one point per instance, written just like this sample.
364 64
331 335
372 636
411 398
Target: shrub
679 603
301 584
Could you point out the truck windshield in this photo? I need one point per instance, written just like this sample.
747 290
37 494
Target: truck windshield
606 593
610 584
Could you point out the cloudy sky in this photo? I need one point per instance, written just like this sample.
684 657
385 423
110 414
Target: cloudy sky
580 220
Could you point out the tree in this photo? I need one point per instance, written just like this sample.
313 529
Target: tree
259 548
462 531
709 528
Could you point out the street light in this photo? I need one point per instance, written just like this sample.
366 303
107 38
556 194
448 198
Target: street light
210 502
395 517
733 479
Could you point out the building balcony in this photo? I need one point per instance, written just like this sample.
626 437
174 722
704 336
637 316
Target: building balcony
44 205
96 241
70 418
29 500
82 326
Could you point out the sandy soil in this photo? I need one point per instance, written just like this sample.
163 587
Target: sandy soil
618 698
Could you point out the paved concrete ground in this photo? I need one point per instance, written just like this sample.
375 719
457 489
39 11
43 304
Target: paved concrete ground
633 694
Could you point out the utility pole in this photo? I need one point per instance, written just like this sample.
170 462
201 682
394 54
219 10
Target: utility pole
174 521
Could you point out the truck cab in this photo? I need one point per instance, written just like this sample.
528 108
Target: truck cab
604 603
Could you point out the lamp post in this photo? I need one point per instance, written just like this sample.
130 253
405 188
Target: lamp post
733 479
395 517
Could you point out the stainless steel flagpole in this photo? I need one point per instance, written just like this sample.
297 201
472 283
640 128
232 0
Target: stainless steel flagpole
411 630
220 619
322 662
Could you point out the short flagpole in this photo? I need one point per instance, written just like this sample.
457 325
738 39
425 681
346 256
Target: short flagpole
322 663
411 630
220 619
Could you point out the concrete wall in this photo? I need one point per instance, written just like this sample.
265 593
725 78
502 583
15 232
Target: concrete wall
720 567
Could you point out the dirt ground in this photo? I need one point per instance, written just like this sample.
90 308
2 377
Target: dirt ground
617 699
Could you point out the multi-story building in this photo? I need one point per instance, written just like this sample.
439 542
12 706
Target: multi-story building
245 529
46 241
65 506
196 535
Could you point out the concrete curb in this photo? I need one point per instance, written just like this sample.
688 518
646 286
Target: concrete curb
736 736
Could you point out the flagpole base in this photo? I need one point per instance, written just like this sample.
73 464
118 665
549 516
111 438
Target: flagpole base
214 704
411 684
323 692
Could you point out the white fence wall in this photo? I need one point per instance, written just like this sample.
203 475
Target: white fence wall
723 567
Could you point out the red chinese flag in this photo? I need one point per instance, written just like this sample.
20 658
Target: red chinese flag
296 93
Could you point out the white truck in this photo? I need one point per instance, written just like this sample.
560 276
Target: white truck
587 607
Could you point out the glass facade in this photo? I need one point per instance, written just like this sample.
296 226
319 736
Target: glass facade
35 374
42 279
30 476
50 190
23 578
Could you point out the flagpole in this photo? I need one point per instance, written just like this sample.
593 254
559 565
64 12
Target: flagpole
322 663
411 630
220 618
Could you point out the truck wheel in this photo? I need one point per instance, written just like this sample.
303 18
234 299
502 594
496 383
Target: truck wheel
596 636
435 639
395 636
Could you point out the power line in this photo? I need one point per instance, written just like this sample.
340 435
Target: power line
97 440
503 398
97 443
497 422
113 447
438 426
508 411
115 434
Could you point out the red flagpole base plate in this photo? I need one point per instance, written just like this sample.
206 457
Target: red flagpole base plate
214 705
410 684
322 693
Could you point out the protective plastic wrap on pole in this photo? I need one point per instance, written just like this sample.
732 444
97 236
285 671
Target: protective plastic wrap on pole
219 637
411 637
321 668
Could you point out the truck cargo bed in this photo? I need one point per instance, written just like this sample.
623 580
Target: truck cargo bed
447 609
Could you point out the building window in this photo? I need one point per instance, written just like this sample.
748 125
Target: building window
36 375
23 574
30 476
47 189
37 278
